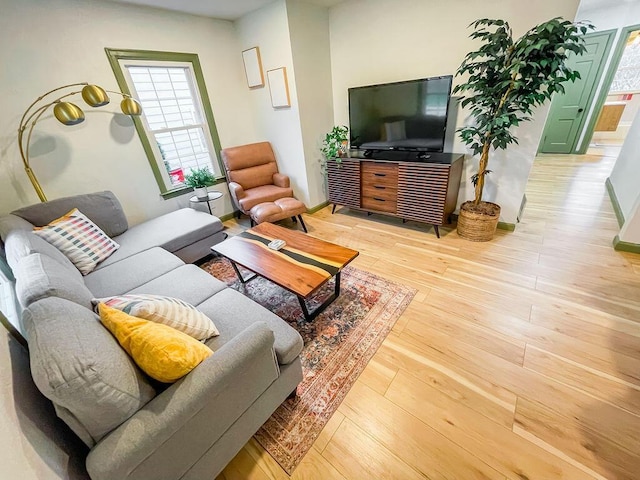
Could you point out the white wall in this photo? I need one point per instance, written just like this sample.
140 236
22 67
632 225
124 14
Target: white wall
268 28
612 14
624 180
47 44
309 29
378 41
617 14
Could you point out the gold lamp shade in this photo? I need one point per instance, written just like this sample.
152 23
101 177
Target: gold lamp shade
95 96
130 106
68 113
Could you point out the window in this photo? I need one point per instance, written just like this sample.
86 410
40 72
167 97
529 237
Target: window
176 127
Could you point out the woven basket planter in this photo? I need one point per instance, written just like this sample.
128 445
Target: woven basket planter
478 224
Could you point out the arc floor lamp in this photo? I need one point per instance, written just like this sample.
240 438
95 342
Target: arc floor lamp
66 113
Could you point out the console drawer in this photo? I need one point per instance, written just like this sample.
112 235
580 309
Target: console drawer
385 174
379 203
379 191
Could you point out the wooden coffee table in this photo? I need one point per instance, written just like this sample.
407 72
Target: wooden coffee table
303 266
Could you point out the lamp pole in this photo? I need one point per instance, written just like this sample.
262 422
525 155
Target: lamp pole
68 114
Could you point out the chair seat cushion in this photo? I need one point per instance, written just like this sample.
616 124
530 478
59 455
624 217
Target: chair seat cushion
277 210
264 193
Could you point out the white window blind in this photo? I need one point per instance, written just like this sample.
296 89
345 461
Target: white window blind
174 118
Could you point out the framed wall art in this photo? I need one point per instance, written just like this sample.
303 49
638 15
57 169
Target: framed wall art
253 67
279 87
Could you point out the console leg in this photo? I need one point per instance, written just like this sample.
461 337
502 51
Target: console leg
304 227
435 227
404 220
333 210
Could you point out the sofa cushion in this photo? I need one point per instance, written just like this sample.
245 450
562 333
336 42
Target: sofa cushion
20 243
169 311
103 208
123 276
171 231
38 276
162 352
187 282
233 312
81 240
79 366
10 223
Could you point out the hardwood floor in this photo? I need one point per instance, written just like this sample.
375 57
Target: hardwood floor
517 359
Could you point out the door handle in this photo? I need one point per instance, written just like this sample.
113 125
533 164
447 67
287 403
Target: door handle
580 110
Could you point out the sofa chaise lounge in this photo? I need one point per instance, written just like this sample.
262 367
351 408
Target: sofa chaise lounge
135 427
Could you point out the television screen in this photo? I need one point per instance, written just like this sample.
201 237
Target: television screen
409 115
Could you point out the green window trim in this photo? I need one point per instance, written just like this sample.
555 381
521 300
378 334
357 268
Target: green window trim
115 55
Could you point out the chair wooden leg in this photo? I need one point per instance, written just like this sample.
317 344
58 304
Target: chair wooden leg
295 220
238 214
253 223
304 227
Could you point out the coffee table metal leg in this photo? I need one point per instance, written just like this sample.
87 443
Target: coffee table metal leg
242 279
311 315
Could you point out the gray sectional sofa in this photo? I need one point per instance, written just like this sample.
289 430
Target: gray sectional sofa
135 427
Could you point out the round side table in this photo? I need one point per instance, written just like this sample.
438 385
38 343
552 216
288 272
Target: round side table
211 196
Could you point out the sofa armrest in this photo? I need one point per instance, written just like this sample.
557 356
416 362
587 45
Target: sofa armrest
237 193
281 180
169 434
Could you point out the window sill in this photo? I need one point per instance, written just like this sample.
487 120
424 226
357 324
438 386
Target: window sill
176 192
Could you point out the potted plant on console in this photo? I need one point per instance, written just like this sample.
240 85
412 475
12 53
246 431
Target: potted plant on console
199 179
335 144
506 79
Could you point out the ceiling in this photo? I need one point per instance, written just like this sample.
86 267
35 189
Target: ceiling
225 9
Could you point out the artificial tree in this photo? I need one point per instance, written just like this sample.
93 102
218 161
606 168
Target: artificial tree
506 79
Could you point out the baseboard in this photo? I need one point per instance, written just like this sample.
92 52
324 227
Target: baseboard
621 246
507 226
614 202
227 216
317 207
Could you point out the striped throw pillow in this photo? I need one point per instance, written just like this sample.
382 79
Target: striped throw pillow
169 311
81 240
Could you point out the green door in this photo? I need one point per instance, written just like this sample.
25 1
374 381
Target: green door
568 111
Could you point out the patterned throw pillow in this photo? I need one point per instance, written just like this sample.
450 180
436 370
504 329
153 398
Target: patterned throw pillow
79 239
169 311
161 352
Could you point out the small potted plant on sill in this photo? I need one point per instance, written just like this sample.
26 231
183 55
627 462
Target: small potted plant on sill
335 144
199 179
506 79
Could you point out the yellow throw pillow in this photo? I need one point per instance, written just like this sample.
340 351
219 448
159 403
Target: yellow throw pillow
160 351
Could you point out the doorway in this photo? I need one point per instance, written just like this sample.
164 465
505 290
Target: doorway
568 112
622 100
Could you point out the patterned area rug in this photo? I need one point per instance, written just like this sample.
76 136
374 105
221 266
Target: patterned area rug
338 344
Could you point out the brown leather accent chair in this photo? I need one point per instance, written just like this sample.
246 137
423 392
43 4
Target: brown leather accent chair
252 173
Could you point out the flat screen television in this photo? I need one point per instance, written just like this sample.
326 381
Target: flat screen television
410 115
